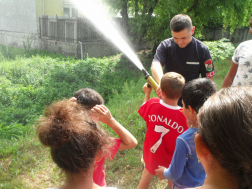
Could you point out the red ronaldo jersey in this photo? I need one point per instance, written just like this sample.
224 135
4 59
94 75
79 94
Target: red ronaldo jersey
164 124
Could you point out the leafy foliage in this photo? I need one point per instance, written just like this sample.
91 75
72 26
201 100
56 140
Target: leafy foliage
221 49
151 18
29 84
27 42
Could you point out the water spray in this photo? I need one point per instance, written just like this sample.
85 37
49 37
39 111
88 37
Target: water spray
94 11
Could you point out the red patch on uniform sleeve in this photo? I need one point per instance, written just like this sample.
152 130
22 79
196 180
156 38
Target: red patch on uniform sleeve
210 74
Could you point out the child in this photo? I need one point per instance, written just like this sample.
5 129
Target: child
93 101
185 171
88 98
224 141
165 121
239 73
75 142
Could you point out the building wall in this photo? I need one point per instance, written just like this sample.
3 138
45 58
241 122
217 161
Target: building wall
91 49
49 7
18 39
53 7
18 16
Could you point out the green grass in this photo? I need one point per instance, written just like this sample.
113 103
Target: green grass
221 69
30 83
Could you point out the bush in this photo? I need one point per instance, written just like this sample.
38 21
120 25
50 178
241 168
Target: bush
221 49
28 85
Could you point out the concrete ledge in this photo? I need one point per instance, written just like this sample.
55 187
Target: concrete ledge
58 47
16 39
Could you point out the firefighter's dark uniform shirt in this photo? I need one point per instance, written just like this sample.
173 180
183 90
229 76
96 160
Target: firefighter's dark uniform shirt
191 62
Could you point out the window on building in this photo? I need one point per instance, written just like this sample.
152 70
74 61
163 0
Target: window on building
69 10
66 12
74 12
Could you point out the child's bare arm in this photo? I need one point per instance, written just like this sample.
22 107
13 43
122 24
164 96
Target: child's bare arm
147 91
127 139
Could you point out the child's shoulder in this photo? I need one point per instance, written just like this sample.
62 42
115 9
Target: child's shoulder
181 110
188 134
170 107
154 99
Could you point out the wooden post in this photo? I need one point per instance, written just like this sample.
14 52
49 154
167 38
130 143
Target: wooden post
56 34
77 22
40 28
7 46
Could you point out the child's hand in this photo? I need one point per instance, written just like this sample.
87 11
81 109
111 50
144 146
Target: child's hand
102 113
73 99
146 89
158 91
160 172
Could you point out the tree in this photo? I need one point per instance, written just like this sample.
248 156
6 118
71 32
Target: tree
137 16
151 18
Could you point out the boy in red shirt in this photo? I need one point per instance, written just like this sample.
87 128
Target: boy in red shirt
165 122
92 100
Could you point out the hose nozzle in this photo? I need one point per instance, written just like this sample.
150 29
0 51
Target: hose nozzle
150 80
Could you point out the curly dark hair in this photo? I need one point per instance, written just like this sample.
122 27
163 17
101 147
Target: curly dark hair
74 139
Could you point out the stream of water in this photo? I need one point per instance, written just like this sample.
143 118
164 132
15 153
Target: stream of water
95 12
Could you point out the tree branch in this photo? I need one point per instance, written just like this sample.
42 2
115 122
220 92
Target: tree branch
195 3
136 8
148 17
124 13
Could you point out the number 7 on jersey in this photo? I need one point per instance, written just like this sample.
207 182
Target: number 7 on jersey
164 131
